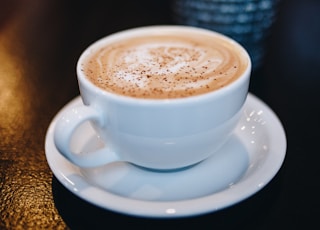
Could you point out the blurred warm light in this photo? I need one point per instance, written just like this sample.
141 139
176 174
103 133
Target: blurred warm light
14 99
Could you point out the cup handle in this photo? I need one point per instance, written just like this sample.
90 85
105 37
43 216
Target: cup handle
64 130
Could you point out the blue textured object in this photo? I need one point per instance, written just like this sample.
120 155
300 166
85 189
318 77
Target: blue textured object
247 21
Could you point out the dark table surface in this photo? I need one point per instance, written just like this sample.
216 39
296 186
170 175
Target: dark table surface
40 42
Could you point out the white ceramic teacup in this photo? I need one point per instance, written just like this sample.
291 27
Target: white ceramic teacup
160 134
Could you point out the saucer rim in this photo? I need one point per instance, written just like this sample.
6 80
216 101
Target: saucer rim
181 208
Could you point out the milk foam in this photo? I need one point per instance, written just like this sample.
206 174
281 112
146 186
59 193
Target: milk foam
165 66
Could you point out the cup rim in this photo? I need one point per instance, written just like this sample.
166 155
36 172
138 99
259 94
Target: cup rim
155 28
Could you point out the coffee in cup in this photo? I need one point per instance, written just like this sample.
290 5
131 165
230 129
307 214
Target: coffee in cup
160 97
165 64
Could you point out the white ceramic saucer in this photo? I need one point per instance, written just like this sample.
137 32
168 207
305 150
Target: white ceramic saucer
242 167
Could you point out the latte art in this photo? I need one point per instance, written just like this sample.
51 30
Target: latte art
165 66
